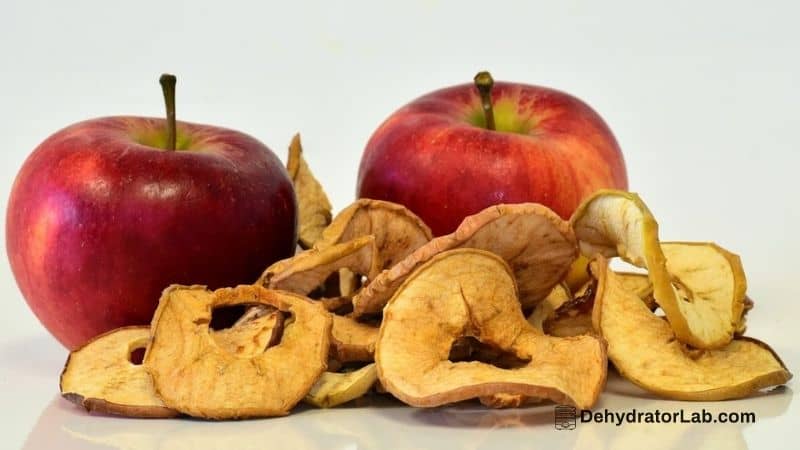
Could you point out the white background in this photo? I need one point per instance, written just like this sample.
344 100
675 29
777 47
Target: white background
703 97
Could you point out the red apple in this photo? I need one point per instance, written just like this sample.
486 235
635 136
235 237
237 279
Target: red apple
103 216
442 158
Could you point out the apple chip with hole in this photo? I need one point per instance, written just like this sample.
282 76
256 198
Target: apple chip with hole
397 230
101 377
196 376
616 223
645 350
258 329
537 244
470 292
313 206
333 389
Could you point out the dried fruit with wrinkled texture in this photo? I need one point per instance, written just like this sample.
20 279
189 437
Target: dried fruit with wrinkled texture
617 223
333 389
260 328
101 377
397 230
537 244
710 284
470 292
313 206
197 377
644 350
352 341
306 271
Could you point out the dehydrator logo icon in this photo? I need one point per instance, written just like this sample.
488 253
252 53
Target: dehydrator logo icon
565 417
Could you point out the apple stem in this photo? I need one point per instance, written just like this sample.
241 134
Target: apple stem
168 82
484 82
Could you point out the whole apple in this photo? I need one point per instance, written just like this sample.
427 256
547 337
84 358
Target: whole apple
106 213
458 150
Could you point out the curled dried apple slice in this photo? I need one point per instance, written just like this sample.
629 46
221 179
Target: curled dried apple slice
101 377
470 292
617 223
313 206
308 270
710 286
644 350
333 389
536 243
194 375
397 230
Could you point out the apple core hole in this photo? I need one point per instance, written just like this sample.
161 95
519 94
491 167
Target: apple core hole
136 356
223 317
468 348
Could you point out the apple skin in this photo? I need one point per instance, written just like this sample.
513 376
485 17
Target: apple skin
436 157
100 221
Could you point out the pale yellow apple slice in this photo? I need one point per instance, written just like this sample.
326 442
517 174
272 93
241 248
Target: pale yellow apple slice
313 206
643 348
101 377
333 389
617 223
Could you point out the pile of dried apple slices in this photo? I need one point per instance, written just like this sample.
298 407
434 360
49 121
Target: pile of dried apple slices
516 306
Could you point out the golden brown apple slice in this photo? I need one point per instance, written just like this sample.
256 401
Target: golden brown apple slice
101 377
352 340
397 230
617 223
194 375
546 309
469 292
644 350
313 206
639 284
536 243
333 389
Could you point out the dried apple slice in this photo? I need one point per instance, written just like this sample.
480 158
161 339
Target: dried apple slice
710 284
546 309
314 208
307 270
194 375
644 350
536 243
101 377
617 223
470 292
397 230
352 340
333 389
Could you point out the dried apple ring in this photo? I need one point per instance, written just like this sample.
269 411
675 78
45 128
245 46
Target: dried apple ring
333 389
537 244
313 206
397 230
194 375
617 223
260 328
470 292
644 350
101 377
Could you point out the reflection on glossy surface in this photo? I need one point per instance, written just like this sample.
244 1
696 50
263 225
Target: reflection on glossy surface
380 422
